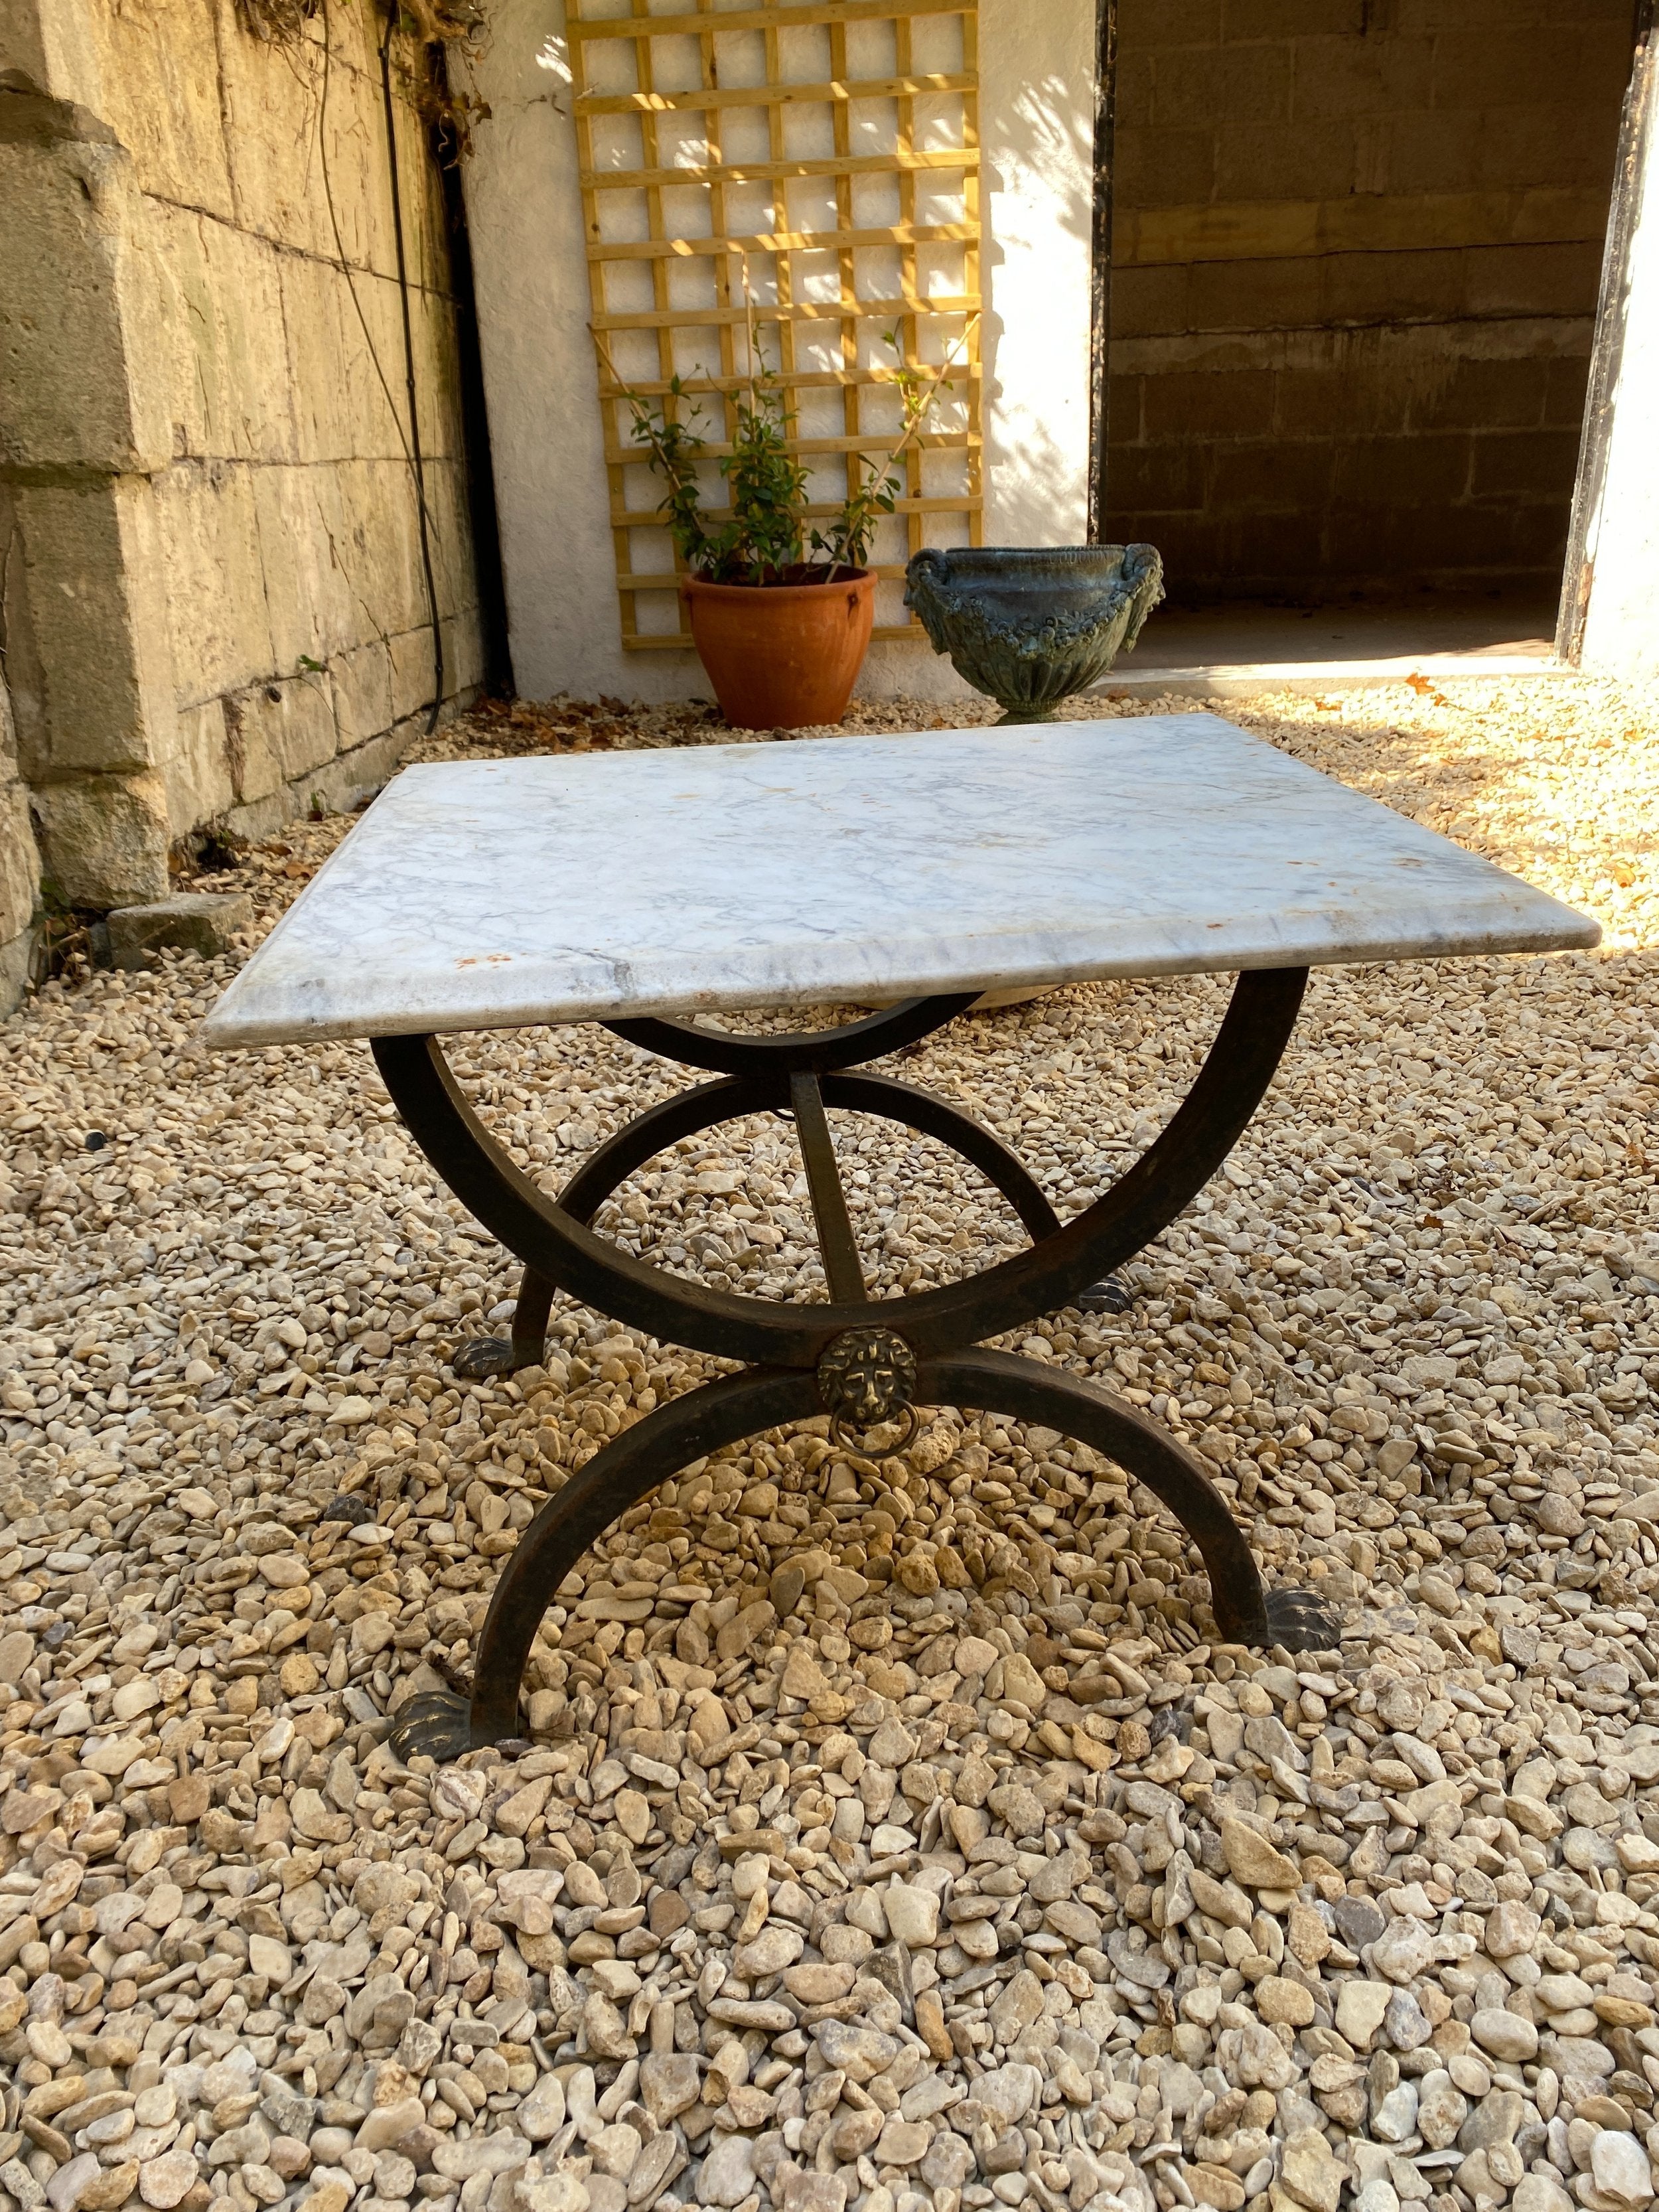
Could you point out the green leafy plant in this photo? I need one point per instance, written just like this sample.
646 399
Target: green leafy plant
848 541
763 540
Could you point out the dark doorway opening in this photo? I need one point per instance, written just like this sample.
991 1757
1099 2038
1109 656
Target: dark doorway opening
1355 250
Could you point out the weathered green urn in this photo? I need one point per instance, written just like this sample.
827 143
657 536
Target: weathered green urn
1028 625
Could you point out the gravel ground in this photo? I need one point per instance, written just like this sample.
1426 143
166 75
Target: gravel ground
893 1836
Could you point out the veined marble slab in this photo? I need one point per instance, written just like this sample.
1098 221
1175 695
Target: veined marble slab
488 894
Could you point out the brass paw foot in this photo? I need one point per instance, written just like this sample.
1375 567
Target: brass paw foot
483 1358
1300 1621
437 1724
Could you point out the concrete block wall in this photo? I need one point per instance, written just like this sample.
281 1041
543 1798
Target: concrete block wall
1355 257
214 604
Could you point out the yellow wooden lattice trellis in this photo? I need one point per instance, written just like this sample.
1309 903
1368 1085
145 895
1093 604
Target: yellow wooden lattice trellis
737 161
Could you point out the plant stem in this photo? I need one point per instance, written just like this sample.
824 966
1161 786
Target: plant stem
912 427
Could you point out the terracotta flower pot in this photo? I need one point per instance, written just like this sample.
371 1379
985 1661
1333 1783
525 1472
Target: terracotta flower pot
782 656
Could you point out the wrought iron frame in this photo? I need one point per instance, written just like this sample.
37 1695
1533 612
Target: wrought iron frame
865 1362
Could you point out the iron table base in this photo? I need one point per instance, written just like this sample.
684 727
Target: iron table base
864 1362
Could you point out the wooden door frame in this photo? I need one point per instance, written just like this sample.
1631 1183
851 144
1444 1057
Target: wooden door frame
1100 267
1638 124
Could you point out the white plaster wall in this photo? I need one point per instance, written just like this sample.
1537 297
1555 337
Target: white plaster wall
1036 107
1621 623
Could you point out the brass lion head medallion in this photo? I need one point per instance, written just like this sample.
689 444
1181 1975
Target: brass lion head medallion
866 1376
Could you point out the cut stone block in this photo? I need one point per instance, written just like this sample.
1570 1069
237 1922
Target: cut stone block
104 839
195 921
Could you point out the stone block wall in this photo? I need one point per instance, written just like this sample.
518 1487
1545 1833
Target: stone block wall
214 604
1356 248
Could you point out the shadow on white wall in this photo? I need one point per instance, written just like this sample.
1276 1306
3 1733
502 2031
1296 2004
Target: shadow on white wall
1038 236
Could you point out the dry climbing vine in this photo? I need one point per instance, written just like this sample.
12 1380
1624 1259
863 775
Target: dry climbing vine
430 22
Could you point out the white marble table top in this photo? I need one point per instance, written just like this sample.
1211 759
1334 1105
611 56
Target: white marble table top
488 894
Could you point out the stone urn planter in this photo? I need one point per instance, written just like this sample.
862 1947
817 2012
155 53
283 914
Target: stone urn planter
782 656
1029 625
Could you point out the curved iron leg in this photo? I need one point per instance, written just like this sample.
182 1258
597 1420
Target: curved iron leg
685 1115
690 1111
706 1105
441 1724
925 1110
930 1116
1003 1383
609 1165
710 1104
1137 1207
808 1052
485 1356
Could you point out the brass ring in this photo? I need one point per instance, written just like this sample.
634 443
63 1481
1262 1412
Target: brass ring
846 1435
